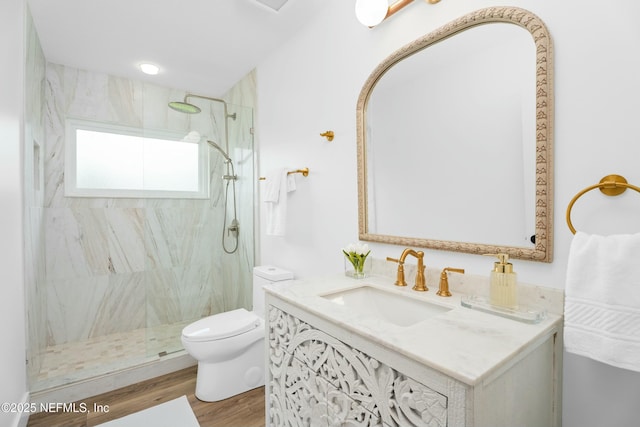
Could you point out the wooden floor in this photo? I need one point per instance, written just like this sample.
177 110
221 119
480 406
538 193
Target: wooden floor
244 410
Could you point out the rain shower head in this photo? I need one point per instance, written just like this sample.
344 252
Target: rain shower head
184 107
217 147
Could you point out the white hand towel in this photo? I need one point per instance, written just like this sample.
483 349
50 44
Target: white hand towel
275 198
291 182
272 183
602 299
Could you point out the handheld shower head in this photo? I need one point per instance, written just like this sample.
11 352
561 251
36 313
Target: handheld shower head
217 147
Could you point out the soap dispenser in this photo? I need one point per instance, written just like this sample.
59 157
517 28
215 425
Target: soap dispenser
502 286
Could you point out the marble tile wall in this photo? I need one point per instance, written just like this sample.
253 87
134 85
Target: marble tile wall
115 264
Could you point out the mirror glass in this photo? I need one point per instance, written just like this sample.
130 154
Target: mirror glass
454 137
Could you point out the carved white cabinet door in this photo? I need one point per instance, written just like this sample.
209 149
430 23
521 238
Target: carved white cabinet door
316 379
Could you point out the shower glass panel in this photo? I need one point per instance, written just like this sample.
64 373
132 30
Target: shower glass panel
237 267
197 266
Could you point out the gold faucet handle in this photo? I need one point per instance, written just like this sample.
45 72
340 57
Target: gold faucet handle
443 289
421 281
400 276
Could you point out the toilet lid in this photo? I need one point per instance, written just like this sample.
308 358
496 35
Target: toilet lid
223 325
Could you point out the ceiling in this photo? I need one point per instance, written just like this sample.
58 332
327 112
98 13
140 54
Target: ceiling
202 46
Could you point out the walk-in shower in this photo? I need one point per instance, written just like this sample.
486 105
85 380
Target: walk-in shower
231 228
113 279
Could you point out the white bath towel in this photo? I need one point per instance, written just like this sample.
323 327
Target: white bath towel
602 299
277 185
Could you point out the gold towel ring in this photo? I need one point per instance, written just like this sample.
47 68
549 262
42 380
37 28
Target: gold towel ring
611 185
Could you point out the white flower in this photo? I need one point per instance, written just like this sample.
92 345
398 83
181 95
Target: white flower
357 248
357 254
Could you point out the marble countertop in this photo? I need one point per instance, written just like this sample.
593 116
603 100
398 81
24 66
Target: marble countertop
465 344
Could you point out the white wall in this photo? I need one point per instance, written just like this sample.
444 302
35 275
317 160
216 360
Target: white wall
312 83
13 387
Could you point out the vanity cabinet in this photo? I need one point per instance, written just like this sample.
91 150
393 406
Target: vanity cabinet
319 374
318 380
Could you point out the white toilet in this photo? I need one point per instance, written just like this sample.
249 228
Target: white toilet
229 347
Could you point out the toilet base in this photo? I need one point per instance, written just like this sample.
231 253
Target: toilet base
221 380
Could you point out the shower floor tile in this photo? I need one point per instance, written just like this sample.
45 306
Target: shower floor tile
71 362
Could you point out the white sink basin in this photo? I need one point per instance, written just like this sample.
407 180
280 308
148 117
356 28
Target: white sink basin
385 305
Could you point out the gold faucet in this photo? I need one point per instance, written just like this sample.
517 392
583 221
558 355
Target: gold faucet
443 290
420 281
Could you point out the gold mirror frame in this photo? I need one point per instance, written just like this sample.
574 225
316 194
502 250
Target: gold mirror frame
543 250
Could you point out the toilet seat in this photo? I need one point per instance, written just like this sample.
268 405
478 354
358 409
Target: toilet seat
221 326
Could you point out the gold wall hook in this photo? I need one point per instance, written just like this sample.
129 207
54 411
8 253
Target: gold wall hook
328 134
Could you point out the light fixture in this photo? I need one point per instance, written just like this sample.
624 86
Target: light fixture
373 12
150 69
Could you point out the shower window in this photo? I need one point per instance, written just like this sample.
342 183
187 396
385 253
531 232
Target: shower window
108 160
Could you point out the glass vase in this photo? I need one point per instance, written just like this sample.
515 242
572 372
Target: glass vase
359 271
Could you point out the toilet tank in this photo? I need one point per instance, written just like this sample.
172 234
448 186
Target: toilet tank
264 275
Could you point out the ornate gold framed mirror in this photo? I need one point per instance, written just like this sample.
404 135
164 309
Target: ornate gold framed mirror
455 137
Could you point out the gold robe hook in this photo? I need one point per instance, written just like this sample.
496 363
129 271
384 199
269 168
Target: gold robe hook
328 134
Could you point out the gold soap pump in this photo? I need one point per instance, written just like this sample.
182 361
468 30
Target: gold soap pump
502 283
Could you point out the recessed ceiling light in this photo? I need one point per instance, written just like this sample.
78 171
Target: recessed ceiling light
273 4
150 69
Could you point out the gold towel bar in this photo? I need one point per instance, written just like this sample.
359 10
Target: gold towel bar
611 185
303 171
